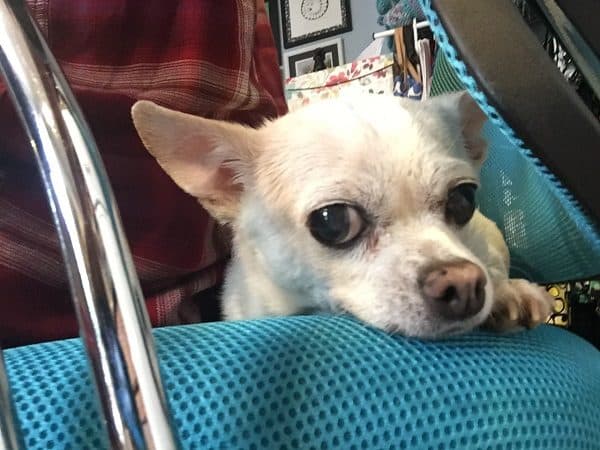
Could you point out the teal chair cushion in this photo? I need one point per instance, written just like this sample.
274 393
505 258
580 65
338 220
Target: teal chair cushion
320 382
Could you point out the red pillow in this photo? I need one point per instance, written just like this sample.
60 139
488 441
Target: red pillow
215 59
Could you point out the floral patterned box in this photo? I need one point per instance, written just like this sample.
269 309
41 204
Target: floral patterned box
372 75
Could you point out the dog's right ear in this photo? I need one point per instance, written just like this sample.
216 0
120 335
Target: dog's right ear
206 158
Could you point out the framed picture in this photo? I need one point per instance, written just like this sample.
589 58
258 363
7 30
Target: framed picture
310 20
302 61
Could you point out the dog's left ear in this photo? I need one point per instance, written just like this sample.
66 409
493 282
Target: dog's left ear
208 159
470 120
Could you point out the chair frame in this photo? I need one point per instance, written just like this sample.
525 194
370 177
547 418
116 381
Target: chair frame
106 292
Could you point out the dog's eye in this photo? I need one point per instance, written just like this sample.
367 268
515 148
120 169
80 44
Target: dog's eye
336 225
460 204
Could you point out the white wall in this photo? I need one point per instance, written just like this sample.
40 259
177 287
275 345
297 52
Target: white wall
364 24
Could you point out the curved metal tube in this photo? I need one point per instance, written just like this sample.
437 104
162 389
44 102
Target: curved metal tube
106 293
9 438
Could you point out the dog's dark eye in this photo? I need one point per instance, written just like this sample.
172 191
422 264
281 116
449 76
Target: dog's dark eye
460 204
336 225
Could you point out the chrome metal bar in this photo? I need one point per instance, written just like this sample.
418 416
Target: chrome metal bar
9 437
585 58
112 318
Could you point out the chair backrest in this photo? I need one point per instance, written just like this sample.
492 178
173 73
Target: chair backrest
542 138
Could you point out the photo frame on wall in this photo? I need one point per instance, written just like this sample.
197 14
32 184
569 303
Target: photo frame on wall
305 21
302 61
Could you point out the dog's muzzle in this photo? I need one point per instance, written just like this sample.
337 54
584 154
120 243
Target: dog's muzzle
454 290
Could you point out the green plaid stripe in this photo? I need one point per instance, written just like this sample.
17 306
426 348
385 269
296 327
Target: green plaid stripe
444 77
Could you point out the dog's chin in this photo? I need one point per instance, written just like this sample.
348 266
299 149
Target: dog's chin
436 328
439 332
406 313
451 330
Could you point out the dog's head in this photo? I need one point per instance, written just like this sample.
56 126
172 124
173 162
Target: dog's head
361 203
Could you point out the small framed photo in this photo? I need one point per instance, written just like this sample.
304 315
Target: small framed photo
310 20
302 61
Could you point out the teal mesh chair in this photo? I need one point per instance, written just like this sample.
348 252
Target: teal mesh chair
314 382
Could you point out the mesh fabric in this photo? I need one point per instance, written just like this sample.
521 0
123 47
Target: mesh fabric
319 382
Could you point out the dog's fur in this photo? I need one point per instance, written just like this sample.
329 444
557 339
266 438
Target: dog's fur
395 159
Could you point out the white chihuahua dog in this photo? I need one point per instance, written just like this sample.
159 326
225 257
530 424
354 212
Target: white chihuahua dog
363 205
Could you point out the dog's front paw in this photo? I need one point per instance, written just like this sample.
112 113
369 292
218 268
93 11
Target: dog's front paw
519 303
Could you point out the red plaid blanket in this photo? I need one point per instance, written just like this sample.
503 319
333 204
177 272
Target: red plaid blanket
212 58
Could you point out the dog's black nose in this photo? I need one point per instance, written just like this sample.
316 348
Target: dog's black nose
454 290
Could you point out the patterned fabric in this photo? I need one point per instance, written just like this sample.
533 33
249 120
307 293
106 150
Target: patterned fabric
215 59
372 75
567 295
407 87
577 308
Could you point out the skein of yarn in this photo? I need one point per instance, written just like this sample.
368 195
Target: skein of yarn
384 6
400 13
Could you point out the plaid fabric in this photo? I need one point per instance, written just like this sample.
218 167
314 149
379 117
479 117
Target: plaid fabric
212 58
